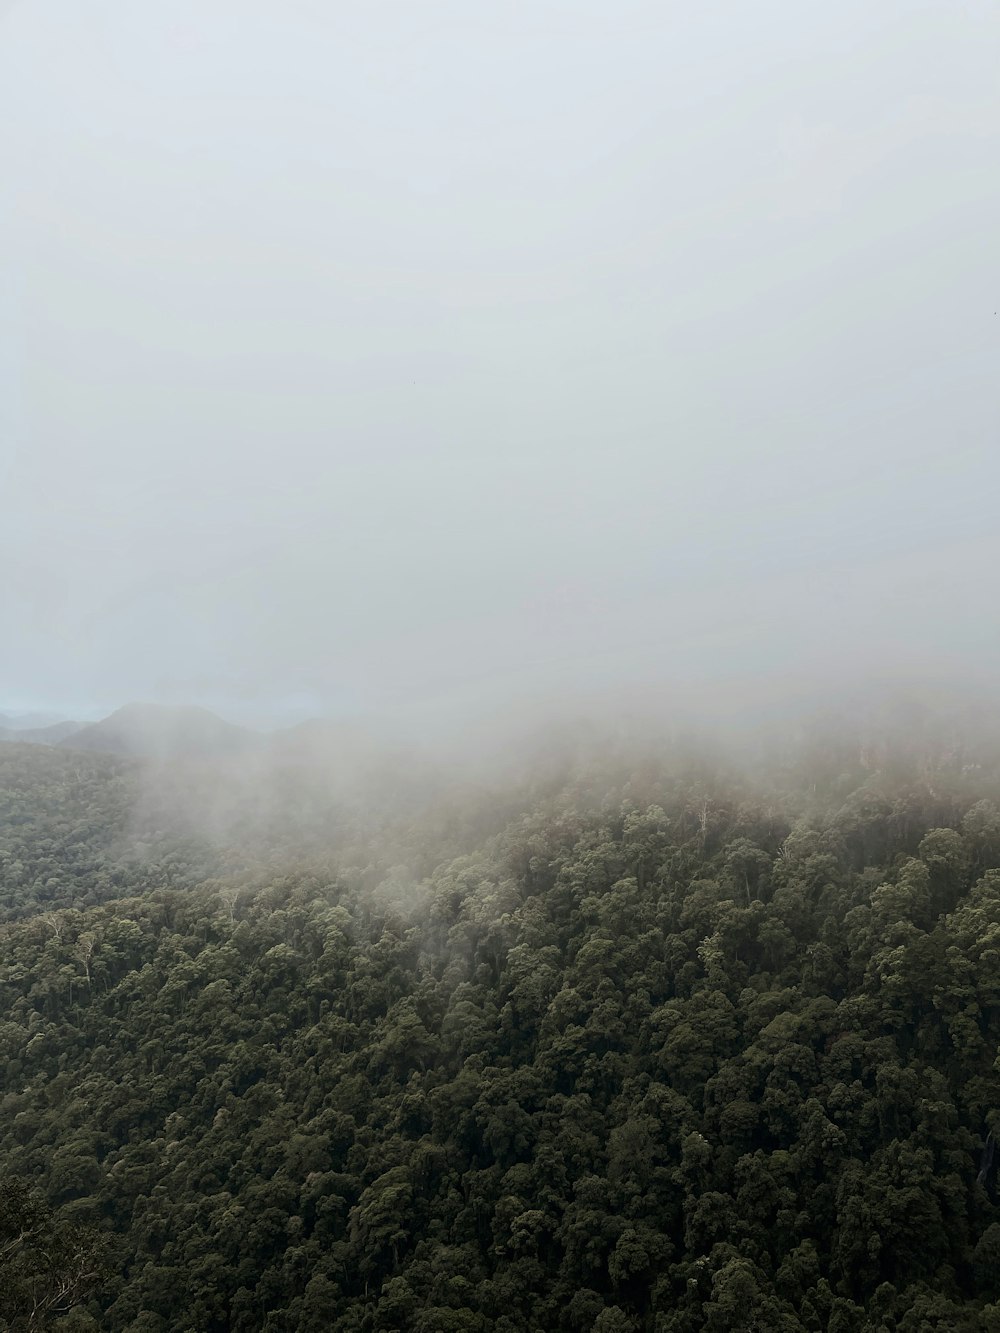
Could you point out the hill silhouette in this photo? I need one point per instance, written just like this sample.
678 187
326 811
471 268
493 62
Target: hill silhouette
163 732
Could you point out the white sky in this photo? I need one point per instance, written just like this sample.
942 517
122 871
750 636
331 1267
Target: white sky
360 356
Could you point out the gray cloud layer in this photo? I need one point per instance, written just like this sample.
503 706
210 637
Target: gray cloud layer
360 356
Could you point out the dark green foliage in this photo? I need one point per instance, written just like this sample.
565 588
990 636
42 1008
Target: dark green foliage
671 1052
48 1264
69 835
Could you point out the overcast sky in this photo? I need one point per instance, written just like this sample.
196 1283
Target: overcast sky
363 356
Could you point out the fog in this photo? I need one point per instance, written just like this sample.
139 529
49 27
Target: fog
415 360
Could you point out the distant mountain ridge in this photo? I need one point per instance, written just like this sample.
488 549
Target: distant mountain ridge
53 734
168 731
164 732
34 721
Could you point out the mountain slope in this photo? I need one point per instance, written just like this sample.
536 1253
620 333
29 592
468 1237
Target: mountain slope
161 732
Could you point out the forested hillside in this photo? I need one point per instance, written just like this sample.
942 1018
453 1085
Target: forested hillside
648 1043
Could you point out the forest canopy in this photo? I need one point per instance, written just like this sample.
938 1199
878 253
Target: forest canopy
636 1040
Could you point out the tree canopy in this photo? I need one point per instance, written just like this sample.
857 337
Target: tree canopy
659 1046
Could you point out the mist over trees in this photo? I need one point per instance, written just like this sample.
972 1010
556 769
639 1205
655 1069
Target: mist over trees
499 734
646 1038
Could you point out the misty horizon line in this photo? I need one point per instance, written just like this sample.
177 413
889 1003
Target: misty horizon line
695 703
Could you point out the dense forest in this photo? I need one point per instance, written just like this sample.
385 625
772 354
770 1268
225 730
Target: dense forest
639 1040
